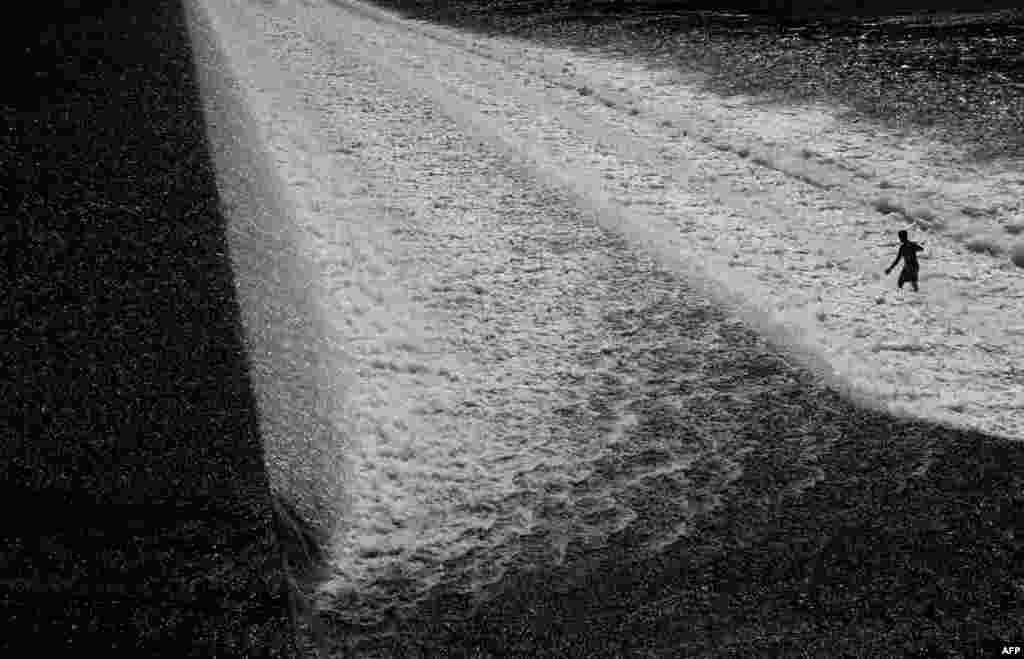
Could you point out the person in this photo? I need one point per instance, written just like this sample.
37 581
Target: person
908 252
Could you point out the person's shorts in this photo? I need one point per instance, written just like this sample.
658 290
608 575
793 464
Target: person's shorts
908 275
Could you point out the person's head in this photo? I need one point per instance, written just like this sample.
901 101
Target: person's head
903 235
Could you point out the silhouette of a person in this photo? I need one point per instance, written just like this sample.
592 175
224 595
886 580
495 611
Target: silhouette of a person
908 252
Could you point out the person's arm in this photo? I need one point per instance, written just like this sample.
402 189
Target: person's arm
899 255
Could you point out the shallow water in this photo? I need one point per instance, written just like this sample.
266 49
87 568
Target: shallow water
516 382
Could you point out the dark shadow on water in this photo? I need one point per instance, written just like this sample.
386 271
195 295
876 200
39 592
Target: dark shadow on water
909 545
139 514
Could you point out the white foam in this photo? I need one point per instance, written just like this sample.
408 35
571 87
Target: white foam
430 314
